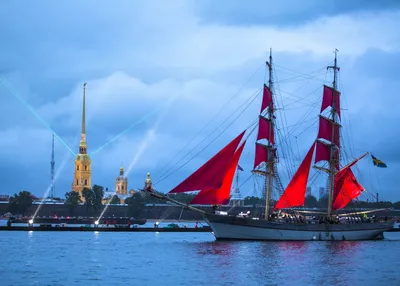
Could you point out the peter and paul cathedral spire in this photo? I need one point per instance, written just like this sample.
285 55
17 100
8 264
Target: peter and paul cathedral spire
82 172
82 144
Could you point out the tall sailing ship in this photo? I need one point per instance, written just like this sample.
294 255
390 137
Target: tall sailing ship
214 181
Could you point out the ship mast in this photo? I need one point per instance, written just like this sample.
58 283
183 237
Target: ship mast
333 149
270 148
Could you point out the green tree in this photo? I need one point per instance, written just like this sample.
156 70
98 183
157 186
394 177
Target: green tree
115 200
20 203
135 204
182 197
310 202
88 194
98 194
254 201
72 199
396 205
323 202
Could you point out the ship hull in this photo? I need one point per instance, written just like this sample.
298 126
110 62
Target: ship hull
236 228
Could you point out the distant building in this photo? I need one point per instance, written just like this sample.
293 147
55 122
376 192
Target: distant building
308 192
322 193
82 171
121 183
236 198
4 198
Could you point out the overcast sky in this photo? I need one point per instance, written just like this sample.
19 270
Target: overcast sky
159 71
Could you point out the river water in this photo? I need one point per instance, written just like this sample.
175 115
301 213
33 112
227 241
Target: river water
100 258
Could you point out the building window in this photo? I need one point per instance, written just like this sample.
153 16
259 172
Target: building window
85 182
122 187
77 167
77 181
118 188
85 168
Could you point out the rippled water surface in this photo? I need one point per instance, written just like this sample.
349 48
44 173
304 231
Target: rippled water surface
89 258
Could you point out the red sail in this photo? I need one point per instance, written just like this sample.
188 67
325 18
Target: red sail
220 196
267 98
323 153
265 131
261 154
325 130
327 99
211 174
346 187
295 192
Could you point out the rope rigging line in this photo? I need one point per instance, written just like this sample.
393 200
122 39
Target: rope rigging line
284 123
251 99
290 71
212 119
285 140
162 178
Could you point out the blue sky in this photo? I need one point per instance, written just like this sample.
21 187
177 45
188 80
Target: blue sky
138 55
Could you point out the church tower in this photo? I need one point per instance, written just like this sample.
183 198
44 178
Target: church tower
121 183
148 184
83 170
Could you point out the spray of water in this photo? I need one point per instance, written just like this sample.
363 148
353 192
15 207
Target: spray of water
14 92
142 148
149 136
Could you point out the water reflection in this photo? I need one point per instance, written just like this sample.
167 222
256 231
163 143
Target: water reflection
335 259
215 248
52 258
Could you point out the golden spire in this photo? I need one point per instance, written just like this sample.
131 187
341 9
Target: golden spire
83 111
82 144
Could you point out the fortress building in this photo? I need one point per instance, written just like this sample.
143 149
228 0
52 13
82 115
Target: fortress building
83 171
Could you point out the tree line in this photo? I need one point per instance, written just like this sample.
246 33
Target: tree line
93 200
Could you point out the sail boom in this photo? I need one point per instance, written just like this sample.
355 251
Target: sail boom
322 169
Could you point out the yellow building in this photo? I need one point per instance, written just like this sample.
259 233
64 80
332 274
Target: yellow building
83 170
121 183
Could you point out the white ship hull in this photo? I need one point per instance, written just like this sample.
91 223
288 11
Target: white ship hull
228 227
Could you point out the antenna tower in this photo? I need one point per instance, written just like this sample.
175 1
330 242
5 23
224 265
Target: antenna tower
52 164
